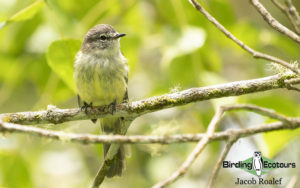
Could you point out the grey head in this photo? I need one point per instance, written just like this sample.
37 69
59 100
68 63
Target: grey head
101 39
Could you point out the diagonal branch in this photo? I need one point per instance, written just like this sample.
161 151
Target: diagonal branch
273 22
228 34
138 108
217 167
259 110
293 12
286 11
196 152
290 122
291 84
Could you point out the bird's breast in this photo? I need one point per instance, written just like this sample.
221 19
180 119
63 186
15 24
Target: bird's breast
100 80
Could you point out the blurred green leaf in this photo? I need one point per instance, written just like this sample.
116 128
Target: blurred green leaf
14 170
16 37
61 56
287 106
182 72
276 141
191 39
247 33
222 10
211 59
24 14
27 12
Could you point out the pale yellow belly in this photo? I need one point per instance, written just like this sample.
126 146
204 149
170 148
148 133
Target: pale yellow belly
102 92
100 85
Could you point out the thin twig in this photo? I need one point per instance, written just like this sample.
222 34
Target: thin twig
228 34
187 163
280 6
259 110
273 22
285 11
286 123
242 125
166 139
139 139
294 13
138 108
217 167
290 84
196 151
291 122
291 87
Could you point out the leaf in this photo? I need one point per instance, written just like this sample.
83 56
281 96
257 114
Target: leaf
61 56
277 140
24 14
27 12
14 165
191 39
222 11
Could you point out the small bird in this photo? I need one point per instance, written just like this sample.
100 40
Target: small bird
101 78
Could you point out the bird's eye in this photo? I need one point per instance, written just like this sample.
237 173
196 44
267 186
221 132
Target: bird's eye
102 37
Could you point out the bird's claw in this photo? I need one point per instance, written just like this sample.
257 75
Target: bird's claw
86 106
113 107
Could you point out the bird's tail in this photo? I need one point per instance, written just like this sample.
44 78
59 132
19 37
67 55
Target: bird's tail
113 126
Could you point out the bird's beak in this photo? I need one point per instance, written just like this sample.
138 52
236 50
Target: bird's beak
119 35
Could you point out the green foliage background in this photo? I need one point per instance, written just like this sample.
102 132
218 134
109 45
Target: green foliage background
169 47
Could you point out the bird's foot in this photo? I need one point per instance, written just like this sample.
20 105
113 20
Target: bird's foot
86 106
113 107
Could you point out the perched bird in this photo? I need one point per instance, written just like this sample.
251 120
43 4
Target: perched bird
101 76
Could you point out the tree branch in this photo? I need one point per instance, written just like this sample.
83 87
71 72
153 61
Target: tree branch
254 53
139 139
290 122
195 153
273 22
217 167
286 11
11 122
294 13
152 104
204 139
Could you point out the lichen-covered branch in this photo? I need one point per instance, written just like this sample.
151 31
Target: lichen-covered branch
228 34
138 139
273 22
203 139
152 104
208 137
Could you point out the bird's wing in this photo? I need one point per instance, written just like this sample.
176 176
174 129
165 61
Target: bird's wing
125 98
79 101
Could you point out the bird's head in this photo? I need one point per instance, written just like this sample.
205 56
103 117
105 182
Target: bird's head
102 39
